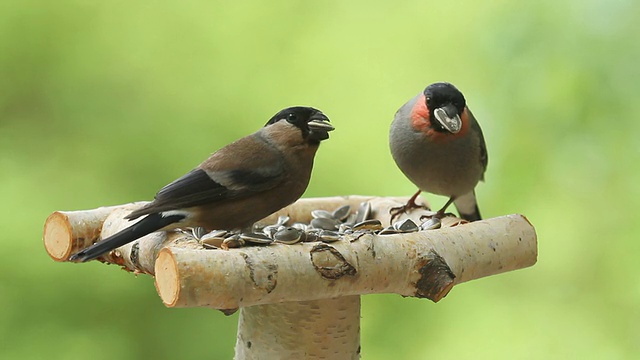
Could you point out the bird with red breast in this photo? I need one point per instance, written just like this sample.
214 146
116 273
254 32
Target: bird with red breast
437 143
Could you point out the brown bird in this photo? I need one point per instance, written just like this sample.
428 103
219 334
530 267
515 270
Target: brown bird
439 146
237 185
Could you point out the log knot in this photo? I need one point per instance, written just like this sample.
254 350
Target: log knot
263 275
330 263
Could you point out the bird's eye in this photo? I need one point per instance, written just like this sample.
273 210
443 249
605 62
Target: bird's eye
292 117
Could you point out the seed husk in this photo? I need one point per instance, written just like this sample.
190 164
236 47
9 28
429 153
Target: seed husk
198 232
256 238
212 242
216 233
300 226
406 226
288 235
351 219
283 220
342 212
317 214
232 242
344 228
390 230
329 236
312 235
372 224
364 212
431 224
325 224
270 230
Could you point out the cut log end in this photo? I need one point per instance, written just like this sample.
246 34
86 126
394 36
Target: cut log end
58 236
167 278
66 232
436 277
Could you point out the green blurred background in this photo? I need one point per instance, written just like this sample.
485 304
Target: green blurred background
103 103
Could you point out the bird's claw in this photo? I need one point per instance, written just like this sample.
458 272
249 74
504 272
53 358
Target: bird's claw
438 215
410 205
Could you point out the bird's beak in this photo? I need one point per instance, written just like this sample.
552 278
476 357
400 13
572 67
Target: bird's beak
448 117
319 127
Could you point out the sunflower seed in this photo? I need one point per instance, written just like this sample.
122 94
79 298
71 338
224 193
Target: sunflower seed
312 235
322 214
232 242
198 232
283 220
405 226
364 211
216 233
288 235
342 212
388 231
270 230
256 238
351 219
329 236
372 224
431 224
325 224
300 226
212 242
344 228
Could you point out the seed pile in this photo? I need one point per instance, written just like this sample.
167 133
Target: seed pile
326 226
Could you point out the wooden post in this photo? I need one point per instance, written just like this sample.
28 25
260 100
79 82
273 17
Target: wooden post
317 329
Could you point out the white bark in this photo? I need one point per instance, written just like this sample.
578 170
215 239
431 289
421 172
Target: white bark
422 264
320 329
66 232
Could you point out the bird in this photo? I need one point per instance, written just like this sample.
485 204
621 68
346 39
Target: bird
437 143
237 185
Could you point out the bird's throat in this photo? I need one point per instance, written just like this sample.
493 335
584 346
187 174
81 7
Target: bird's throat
420 119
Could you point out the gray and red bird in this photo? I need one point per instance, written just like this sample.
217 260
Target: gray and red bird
439 146
237 185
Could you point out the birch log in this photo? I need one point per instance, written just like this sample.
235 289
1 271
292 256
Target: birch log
320 329
423 264
67 232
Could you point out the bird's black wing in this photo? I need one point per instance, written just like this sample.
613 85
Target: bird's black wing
194 188
484 156
199 187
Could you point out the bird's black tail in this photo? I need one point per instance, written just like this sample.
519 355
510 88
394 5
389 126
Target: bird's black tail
468 207
147 225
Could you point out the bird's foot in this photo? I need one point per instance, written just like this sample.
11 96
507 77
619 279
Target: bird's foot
410 205
438 215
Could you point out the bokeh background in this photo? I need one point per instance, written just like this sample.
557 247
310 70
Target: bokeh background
103 103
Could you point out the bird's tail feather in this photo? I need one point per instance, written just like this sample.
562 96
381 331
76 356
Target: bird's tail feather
147 225
468 207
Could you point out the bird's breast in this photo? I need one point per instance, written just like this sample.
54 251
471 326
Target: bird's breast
446 168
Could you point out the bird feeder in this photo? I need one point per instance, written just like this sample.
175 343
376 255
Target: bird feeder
303 300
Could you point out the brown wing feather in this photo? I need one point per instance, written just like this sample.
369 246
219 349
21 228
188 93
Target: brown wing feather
238 170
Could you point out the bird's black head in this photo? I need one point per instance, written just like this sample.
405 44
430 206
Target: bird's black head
312 122
446 104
